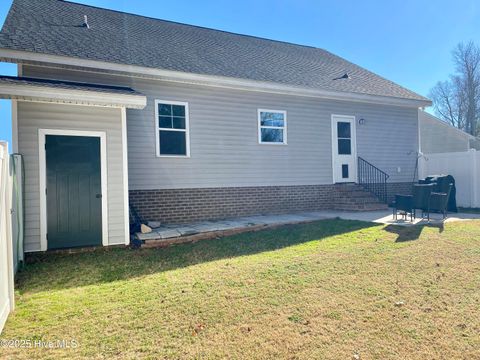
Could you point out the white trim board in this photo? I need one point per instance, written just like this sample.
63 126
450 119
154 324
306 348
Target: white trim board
70 96
26 57
43 181
14 126
126 214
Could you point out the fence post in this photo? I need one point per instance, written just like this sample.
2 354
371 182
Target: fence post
8 202
421 167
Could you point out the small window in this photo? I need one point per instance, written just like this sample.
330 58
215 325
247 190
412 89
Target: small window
344 147
344 138
272 127
171 120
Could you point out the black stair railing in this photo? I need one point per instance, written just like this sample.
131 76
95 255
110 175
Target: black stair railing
373 179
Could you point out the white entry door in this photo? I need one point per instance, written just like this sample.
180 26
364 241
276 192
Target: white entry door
344 149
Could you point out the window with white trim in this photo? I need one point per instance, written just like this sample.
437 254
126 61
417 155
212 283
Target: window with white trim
172 128
272 127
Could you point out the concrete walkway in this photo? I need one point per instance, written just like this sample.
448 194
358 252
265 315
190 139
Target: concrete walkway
194 231
385 217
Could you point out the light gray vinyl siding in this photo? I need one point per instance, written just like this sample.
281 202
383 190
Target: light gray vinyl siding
35 116
439 137
224 136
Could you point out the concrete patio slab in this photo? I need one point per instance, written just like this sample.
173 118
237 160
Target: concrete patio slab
186 230
204 226
385 217
168 233
208 229
149 236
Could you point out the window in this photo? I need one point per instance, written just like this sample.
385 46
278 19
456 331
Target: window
344 138
272 127
171 120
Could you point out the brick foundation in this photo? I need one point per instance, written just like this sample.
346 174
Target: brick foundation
188 205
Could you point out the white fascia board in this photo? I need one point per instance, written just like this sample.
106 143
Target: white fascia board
70 96
18 56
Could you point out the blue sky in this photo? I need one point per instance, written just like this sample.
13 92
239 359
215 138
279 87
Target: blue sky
406 41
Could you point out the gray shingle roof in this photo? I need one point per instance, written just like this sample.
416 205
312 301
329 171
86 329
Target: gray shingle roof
67 85
56 27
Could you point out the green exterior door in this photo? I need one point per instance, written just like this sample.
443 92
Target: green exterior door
74 199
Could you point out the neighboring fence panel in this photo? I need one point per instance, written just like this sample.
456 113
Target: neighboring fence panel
17 179
463 166
6 254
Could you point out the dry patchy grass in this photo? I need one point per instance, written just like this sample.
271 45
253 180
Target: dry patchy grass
325 290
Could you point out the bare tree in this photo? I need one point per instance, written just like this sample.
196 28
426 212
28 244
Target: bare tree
457 100
448 103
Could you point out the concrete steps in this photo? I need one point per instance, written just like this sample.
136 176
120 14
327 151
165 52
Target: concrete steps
353 197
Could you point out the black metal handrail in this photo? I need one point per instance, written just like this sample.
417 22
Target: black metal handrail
373 179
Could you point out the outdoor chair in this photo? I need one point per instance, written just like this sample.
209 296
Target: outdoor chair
403 204
421 199
439 202
409 204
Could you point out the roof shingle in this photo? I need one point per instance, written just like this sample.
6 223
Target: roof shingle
55 27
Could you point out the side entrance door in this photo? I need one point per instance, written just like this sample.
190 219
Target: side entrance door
344 152
74 199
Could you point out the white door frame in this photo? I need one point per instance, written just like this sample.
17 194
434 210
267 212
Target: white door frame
43 179
350 118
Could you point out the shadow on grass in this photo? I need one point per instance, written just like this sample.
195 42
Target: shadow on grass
59 271
405 233
410 233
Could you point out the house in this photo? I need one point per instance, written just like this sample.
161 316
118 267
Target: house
187 123
437 136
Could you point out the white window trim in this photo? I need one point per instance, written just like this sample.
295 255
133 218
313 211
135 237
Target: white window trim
187 128
43 179
284 128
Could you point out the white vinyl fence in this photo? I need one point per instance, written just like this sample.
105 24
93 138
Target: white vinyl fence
463 166
6 254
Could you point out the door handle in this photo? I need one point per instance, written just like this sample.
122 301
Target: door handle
98 196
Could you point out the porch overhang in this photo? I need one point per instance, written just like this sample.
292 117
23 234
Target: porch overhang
66 92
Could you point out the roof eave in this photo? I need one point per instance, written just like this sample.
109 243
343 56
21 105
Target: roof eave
26 57
69 96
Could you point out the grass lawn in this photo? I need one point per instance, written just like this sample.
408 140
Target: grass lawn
324 290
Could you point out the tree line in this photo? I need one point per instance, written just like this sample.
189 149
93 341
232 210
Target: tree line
457 99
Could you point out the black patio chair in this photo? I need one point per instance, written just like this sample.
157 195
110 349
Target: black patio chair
439 202
421 199
408 204
403 204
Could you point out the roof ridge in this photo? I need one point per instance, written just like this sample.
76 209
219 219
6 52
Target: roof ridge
192 25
